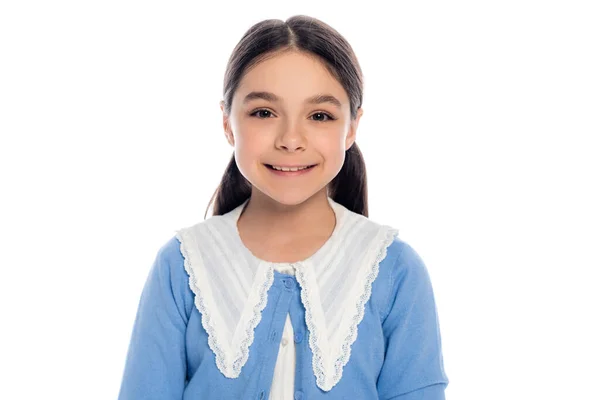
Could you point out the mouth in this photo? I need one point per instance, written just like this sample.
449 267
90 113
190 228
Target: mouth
290 172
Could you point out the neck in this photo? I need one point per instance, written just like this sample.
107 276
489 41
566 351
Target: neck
277 222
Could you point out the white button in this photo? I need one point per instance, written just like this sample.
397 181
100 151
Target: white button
284 342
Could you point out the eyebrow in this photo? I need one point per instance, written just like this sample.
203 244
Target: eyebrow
316 99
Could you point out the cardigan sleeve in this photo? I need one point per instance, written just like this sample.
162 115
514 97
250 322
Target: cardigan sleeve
155 366
413 367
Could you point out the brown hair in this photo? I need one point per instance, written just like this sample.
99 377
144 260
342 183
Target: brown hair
314 37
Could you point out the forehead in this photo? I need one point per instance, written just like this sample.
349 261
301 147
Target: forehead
292 76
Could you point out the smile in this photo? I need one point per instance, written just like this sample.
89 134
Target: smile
290 171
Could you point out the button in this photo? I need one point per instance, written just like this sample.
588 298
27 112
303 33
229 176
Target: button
284 342
262 395
298 336
298 395
288 283
273 336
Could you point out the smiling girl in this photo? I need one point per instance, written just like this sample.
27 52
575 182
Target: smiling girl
289 290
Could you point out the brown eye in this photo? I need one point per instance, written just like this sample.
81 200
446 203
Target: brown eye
322 117
262 113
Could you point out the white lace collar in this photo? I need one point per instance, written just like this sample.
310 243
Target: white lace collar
231 284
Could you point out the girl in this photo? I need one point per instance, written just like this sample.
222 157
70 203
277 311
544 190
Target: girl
288 291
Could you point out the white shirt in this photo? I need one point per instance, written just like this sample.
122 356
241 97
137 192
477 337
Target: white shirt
282 387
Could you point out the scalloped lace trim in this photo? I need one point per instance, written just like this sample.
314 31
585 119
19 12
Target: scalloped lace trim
327 381
252 324
228 368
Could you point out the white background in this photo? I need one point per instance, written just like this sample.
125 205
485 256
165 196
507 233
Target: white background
480 135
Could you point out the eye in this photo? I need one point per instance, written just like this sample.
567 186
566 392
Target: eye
263 113
323 115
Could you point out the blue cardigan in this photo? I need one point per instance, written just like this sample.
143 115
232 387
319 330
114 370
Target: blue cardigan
397 353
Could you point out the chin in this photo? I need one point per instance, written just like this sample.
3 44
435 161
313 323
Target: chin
290 197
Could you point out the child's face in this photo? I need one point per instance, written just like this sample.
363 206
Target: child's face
290 131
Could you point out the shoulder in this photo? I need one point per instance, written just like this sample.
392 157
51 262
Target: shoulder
169 265
399 258
169 253
171 277
403 271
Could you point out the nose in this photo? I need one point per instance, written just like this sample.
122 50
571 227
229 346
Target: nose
291 139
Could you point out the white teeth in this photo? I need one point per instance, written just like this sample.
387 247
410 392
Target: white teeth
293 169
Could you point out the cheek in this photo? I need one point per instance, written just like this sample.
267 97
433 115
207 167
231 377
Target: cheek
252 138
331 142
335 160
250 144
336 149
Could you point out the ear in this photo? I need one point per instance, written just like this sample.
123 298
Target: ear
351 136
227 125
